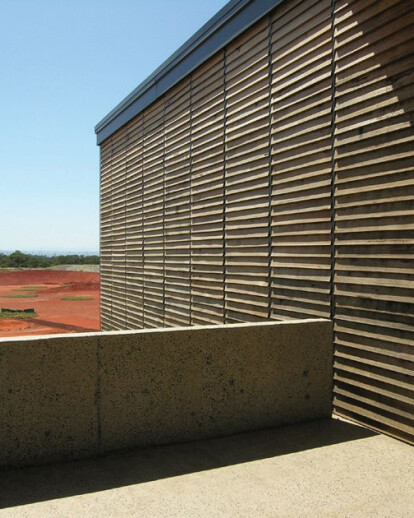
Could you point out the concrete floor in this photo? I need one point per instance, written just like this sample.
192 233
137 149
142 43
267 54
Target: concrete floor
328 468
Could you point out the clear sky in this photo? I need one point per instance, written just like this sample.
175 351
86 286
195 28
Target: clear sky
64 64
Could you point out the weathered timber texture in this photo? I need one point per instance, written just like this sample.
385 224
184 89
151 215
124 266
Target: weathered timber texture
277 181
374 214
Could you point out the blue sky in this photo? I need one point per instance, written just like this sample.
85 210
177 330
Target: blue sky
64 65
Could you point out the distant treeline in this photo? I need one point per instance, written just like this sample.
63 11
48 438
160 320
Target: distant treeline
20 260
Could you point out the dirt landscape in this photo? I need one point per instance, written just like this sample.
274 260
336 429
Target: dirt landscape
62 301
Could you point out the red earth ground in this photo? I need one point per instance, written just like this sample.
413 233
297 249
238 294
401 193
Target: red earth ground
54 315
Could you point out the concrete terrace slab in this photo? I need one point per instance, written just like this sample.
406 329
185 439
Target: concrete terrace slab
327 468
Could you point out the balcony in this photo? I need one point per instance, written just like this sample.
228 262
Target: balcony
228 420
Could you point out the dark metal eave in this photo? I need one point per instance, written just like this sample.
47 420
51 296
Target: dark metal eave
234 18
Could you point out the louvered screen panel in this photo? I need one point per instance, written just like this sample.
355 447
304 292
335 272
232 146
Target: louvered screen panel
243 158
153 192
301 159
106 235
207 193
177 204
374 166
118 173
134 225
247 176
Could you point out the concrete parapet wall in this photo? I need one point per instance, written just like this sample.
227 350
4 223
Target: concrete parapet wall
72 396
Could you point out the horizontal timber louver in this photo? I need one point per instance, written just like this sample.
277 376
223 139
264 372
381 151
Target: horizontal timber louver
374 205
207 193
106 235
118 219
134 225
177 232
276 181
247 178
301 159
153 214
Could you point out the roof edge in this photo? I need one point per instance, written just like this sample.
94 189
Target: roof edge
234 18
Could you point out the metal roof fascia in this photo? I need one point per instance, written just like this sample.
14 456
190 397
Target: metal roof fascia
234 18
178 55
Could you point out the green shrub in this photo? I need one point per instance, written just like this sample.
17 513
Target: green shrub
17 315
20 296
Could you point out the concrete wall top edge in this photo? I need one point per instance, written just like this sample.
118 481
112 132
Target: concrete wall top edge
75 336
70 397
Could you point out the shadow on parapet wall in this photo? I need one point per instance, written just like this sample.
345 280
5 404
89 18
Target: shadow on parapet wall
37 484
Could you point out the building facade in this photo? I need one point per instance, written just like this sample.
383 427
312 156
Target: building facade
266 171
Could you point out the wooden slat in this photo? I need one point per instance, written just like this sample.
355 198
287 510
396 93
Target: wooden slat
177 232
301 160
374 236
277 181
153 214
207 193
247 176
118 228
106 235
134 225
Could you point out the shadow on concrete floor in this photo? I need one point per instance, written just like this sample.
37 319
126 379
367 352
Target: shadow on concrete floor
36 484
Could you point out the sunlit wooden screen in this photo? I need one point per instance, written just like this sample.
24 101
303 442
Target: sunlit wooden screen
288 157
301 158
118 230
177 229
247 178
153 214
207 192
134 225
374 212
106 235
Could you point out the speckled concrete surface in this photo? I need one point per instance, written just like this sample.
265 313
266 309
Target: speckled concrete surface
47 399
66 396
187 384
321 469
